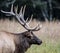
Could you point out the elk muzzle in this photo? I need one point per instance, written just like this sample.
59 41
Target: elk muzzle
35 40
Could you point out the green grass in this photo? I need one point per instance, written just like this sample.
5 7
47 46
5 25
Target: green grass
45 47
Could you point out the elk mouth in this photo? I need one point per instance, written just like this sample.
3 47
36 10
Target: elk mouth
39 42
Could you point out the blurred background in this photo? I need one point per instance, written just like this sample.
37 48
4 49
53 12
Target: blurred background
41 9
45 12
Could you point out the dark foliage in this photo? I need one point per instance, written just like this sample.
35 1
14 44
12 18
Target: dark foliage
41 9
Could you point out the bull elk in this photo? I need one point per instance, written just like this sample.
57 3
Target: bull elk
18 42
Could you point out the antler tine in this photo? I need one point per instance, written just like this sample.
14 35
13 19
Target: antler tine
24 10
21 13
27 20
36 28
10 13
16 9
30 19
12 8
21 16
21 10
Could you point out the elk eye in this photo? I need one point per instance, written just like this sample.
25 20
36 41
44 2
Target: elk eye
28 36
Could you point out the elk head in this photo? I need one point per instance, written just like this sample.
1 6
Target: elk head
30 36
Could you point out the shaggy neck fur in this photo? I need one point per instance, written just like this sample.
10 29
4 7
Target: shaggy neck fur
21 43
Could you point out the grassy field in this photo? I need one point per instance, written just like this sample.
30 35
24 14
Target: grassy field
49 34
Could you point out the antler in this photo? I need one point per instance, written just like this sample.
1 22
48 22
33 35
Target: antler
20 18
11 11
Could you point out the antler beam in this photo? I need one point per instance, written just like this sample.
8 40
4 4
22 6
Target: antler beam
20 18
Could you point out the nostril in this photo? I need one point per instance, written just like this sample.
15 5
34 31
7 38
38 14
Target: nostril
39 42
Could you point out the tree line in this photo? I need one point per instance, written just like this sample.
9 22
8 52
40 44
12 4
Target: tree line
41 9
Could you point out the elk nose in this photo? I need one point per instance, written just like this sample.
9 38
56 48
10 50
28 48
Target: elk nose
40 42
